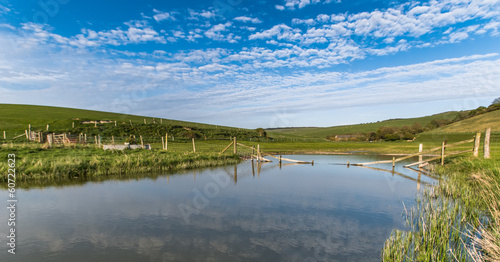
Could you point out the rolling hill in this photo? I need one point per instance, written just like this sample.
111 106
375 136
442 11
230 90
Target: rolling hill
322 132
14 119
474 124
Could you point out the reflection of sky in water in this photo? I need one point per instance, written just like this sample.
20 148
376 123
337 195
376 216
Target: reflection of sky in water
324 212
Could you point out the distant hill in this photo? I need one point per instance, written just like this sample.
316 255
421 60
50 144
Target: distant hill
474 124
322 132
14 119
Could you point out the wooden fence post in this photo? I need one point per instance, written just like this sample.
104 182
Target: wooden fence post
477 143
113 140
29 129
258 152
99 141
194 147
235 146
443 146
4 135
144 120
115 122
85 138
73 124
49 139
163 143
95 139
487 136
166 141
26 132
47 127
393 162
142 142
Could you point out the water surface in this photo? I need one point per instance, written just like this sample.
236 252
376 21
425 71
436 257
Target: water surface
325 212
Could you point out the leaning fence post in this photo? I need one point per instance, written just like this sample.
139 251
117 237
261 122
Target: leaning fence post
258 152
477 143
487 143
194 147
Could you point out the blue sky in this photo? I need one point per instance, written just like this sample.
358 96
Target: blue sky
252 63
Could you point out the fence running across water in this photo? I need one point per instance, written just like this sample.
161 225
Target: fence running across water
250 148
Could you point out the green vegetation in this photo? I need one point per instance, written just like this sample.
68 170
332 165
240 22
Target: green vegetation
14 119
474 124
36 163
456 220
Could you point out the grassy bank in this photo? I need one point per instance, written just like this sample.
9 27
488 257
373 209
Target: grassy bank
457 220
69 163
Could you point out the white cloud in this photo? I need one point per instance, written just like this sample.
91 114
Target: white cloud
4 9
195 15
246 19
280 31
292 4
309 21
217 32
160 16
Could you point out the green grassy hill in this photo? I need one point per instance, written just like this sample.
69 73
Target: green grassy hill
14 119
322 132
474 124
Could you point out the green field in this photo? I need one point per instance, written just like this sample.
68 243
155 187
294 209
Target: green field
322 132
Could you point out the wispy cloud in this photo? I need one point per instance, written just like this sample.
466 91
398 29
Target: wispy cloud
211 78
246 19
160 16
292 4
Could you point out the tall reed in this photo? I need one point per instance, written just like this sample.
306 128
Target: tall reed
456 220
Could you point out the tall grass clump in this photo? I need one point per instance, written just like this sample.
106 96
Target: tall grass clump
455 220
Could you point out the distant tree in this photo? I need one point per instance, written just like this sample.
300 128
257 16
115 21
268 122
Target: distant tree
261 131
416 128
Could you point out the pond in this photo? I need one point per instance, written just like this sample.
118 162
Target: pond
259 212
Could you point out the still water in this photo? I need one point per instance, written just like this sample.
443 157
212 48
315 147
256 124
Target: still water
325 212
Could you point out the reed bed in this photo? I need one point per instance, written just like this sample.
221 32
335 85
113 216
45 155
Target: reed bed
36 163
456 220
